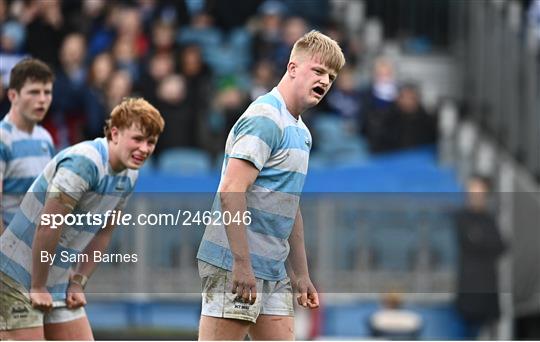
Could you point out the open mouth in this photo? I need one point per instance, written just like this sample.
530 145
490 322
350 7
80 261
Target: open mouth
319 91
138 159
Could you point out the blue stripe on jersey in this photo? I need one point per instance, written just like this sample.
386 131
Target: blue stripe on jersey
270 224
114 185
295 138
22 228
5 155
52 149
269 100
6 125
29 148
101 148
17 185
7 217
14 270
279 180
80 165
39 189
211 252
260 126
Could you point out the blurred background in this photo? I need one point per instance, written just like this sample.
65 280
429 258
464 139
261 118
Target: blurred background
422 203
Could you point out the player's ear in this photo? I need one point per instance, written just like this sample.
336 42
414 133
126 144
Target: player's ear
114 134
12 95
292 68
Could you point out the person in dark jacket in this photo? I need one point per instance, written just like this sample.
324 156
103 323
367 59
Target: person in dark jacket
480 245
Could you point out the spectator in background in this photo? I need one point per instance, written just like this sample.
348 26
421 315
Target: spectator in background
480 245
100 31
101 69
199 89
129 31
158 67
231 14
68 117
3 10
293 29
412 125
197 74
4 101
44 27
345 99
393 322
267 35
12 39
316 13
120 85
229 102
382 90
170 12
177 111
263 79
162 39
405 124
124 53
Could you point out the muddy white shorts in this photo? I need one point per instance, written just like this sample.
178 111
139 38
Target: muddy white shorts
273 297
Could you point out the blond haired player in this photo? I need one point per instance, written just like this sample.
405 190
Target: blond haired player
247 289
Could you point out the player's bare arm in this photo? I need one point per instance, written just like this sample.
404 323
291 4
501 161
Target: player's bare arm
239 176
75 292
46 240
306 293
1 190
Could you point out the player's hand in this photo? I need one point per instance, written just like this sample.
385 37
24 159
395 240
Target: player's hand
306 294
244 284
75 296
41 299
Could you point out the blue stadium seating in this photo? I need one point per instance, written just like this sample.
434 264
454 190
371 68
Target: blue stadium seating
184 161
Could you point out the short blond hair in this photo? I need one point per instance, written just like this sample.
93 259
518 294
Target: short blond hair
135 111
314 43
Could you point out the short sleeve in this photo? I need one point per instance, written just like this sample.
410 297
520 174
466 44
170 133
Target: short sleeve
75 175
255 138
4 157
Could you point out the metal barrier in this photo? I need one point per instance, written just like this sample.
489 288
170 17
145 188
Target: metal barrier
499 58
356 244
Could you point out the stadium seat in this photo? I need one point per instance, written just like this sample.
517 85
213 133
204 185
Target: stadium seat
337 143
184 161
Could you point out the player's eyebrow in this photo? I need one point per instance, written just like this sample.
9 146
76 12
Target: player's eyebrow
322 68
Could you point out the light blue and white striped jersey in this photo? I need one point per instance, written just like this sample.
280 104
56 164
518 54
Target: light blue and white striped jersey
84 173
278 145
22 158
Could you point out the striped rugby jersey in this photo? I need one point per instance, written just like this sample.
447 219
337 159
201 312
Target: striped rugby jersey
22 158
82 171
278 145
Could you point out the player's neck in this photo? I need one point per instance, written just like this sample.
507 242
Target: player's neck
287 92
21 122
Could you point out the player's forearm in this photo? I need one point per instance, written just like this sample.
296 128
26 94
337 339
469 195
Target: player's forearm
45 242
297 258
99 243
235 202
2 228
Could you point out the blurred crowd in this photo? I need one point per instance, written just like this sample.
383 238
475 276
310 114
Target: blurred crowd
200 63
